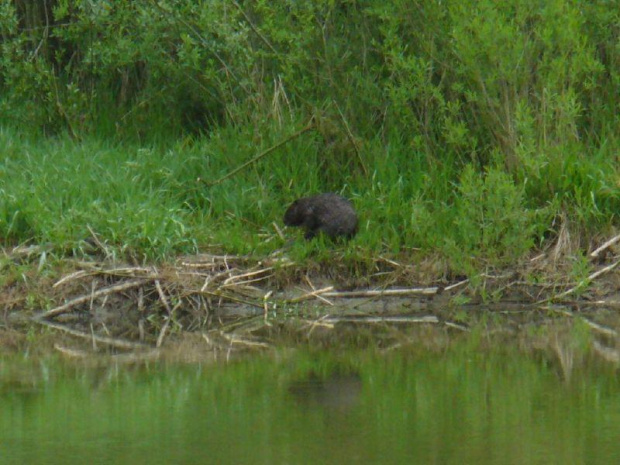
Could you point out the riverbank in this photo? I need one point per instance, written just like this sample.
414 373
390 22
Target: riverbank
228 302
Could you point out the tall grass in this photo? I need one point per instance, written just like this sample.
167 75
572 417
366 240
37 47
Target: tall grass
458 128
152 202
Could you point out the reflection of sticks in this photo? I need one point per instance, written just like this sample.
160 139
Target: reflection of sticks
600 328
608 353
85 298
121 344
164 300
456 326
73 353
590 278
606 245
235 339
309 126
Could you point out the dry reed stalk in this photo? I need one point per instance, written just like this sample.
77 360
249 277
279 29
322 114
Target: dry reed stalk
72 276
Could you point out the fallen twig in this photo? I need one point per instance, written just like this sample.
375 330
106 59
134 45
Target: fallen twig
310 295
230 281
455 285
605 246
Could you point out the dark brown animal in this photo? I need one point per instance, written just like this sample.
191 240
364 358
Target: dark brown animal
328 213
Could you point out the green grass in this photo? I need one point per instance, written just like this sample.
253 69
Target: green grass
152 202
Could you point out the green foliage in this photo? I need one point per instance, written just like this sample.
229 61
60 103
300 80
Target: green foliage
515 103
490 219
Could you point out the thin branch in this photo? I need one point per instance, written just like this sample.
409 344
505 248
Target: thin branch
307 128
352 140
255 29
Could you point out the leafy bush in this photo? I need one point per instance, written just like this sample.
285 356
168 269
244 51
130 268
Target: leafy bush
490 220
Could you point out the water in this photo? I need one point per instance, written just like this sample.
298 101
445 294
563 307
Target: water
461 403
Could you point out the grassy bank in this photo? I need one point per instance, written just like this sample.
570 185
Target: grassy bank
152 202
468 134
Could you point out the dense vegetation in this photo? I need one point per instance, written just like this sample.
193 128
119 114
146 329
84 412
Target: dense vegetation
473 129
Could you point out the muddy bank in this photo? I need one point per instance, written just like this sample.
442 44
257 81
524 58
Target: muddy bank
223 303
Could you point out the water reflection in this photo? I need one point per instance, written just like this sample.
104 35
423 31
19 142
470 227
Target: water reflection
484 397
339 391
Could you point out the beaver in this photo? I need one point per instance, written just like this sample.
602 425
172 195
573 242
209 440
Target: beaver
330 213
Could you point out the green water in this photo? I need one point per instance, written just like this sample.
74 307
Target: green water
458 405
